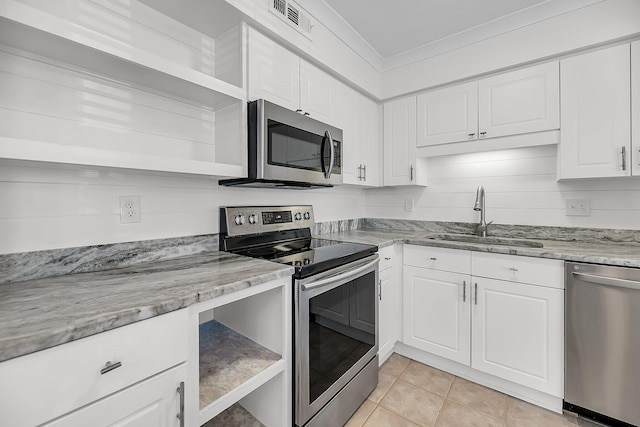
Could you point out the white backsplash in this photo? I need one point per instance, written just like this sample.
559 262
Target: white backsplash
44 207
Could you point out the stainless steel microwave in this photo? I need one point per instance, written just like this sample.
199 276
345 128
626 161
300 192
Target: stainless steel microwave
290 150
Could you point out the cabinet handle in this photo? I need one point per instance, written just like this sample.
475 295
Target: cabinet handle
471 135
306 113
359 172
411 174
483 134
108 367
624 158
380 289
513 269
180 414
464 291
364 173
387 258
475 297
298 111
433 258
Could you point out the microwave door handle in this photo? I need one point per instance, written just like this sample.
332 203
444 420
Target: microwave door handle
327 173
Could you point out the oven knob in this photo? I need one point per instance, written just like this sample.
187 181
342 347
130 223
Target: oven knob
307 261
298 216
239 219
297 263
307 215
253 219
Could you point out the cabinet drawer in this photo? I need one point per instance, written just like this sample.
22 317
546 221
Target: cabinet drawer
63 378
457 261
536 271
386 257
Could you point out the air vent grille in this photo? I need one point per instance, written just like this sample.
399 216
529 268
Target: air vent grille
280 6
291 13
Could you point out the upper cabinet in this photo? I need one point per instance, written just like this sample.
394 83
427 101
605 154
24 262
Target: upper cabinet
401 164
515 103
635 107
156 89
280 76
596 113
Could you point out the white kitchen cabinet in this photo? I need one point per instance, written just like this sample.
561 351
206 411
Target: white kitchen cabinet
147 96
116 369
240 352
448 115
518 334
499 314
635 108
280 76
436 312
401 164
436 293
358 117
156 402
596 115
452 120
521 101
390 301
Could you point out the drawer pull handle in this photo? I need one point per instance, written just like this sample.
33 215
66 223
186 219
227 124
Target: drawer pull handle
464 291
513 269
180 415
476 294
110 367
433 258
387 258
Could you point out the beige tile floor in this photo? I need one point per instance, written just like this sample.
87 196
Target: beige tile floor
410 394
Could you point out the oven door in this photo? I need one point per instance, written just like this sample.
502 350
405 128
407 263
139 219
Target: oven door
294 147
336 332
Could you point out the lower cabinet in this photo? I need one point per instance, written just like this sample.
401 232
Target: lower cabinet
390 302
156 402
505 318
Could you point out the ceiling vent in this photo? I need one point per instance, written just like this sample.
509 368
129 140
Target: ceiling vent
293 15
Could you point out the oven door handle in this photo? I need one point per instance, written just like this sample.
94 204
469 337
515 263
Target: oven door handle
346 276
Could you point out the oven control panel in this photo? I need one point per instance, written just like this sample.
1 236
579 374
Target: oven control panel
239 220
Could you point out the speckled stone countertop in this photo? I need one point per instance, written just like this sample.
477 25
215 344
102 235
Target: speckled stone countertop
42 313
625 254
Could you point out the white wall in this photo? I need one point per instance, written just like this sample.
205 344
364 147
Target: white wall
43 207
521 188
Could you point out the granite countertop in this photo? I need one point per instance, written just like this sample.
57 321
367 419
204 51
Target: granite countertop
42 313
625 254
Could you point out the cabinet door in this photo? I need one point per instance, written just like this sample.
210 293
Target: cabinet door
521 101
436 312
635 107
317 90
370 142
348 119
448 115
518 333
390 311
400 149
274 72
596 123
151 403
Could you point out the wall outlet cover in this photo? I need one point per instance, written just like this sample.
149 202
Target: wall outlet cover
578 207
130 209
409 205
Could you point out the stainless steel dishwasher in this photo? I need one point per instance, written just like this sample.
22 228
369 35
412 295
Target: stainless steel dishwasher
602 342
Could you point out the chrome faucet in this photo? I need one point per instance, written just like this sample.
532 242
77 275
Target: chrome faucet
479 206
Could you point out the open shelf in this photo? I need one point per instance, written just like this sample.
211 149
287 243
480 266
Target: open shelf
227 360
122 84
235 416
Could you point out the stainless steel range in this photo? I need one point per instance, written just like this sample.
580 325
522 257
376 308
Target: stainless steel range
335 307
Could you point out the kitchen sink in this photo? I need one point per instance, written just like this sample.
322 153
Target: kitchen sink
492 241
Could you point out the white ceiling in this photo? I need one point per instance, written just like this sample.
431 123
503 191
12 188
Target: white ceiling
392 33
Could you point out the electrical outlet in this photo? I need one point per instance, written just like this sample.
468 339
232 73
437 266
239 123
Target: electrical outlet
409 205
130 209
578 207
